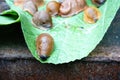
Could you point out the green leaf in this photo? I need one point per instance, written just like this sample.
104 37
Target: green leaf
74 39
8 17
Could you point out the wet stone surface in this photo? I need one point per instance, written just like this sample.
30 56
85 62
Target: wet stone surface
16 62
33 70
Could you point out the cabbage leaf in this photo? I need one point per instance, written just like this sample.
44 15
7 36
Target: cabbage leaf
74 39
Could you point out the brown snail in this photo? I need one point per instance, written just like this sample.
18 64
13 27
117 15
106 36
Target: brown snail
42 20
53 8
72 7
38 2
19 2
91 15
30 7
4 6
44 45
98 3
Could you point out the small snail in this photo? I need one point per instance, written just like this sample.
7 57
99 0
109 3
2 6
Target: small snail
30 7
38 2
91 15
53 8
4 6
98 3
19 2
72 7
42 20
44 45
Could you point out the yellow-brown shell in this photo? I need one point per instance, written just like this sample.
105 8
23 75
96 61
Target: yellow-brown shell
44 45
19 3
53 8
38 2
91 14
72 7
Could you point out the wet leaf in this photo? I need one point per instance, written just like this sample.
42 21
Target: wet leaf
74 39
8 17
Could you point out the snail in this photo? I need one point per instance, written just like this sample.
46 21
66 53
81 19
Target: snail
30 7
44 45
38 2
53 8
72 7
42 20
91 14
19 2
4 6
98 3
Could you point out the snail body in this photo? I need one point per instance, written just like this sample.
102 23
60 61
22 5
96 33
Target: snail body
98 3
3 6
42 20
53 8
72 7
91 15
44 44
30 7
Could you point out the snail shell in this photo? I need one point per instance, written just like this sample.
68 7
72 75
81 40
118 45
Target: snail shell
53 8
38 2
91 15
4 6
42 20
98 3
19 2
30 7
44 44
72 7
